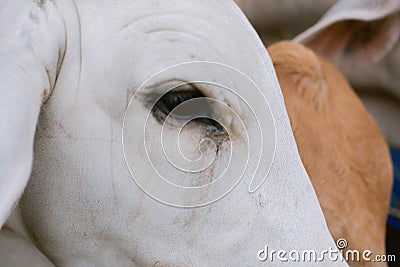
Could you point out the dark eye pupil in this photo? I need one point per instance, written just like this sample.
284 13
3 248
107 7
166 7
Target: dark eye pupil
177 96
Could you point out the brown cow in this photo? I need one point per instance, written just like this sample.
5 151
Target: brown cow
341 148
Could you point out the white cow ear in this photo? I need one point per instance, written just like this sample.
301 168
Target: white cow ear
30 48
352 34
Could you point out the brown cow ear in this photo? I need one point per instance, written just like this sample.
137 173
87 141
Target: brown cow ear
353 43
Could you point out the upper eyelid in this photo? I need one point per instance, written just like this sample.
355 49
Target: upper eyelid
155 92
163 83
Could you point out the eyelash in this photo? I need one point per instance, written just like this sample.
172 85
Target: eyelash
177 96
173 98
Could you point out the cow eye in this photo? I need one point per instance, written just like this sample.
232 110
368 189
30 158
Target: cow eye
179 95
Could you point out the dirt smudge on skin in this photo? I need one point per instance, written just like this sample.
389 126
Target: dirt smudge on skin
41 3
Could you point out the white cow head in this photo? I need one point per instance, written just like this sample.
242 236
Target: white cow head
77 65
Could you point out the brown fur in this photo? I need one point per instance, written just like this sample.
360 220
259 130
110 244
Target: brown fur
340 146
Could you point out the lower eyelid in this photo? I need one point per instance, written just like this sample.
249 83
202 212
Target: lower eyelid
212 123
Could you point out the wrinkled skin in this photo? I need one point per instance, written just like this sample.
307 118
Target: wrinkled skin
81 206
344 153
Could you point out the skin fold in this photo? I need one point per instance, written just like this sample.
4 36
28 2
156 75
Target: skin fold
340 145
